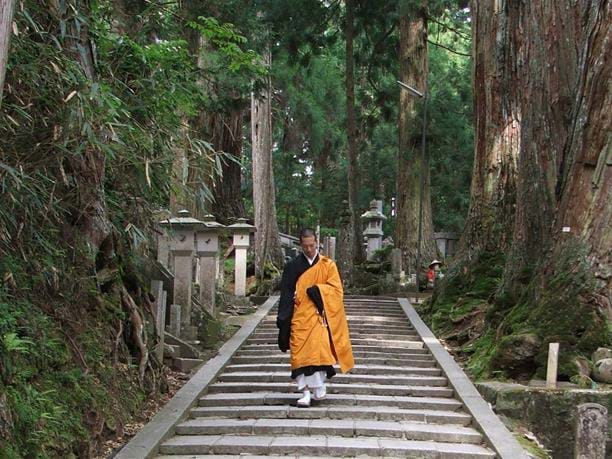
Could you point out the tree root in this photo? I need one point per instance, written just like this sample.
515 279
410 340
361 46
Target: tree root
117 343
138 326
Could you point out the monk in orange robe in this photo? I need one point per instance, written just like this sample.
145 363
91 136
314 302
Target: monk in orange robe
311 320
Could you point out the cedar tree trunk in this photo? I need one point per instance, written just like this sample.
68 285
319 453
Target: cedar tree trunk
267 242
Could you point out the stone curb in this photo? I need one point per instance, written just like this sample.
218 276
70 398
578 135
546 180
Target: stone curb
494 431
146 443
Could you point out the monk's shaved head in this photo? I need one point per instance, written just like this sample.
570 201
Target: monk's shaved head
307 232
308 242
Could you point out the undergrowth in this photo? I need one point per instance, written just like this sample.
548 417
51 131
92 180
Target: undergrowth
561 310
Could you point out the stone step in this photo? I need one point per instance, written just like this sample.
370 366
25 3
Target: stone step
335 388
374 309
354 331
360 319
408 354
374 312
319 446
379 413
405 341
333 400
341 427
422 360
357 370
249 377
273 336
406 346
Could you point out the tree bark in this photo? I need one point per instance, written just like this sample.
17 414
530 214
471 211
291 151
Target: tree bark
227 137
542 148
490 218
267 242
7 9
351 134
584 186
88 168
413 71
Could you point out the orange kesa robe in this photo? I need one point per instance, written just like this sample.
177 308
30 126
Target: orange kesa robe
310 341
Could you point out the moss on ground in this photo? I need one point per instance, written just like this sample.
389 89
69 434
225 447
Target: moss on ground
560 308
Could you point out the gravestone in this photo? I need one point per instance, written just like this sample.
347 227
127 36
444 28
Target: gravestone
591 431
396 263
175 319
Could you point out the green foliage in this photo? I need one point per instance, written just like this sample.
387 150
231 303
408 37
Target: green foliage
228 42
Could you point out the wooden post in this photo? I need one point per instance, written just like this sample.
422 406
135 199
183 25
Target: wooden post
7 8
551 371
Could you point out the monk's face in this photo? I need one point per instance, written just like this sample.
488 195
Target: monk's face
309 246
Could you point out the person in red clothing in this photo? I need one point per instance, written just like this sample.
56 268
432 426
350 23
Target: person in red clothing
432 272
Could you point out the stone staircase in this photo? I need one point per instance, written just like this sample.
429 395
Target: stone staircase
395 402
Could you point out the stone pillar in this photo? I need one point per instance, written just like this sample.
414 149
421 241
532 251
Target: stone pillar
208 283
220 272
396 264
551 369
241 239
332 248
240 271
326 246
163 248
591 431
207 248
157 288
181 231
183 272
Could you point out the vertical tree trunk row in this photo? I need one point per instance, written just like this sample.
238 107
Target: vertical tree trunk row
351 131
267 242
490 218
413 72
542 150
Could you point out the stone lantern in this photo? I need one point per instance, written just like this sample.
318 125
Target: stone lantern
241 231
207 250
181 234
373 219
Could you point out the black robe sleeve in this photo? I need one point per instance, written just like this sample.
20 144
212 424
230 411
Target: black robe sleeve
293 270
285 304
315 295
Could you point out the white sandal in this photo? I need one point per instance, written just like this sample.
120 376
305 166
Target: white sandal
304 402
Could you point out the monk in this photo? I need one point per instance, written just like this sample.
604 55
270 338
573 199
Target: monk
311 320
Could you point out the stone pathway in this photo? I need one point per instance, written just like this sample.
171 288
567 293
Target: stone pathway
396 402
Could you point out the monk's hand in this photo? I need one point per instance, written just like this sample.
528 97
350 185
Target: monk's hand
284 334
315 295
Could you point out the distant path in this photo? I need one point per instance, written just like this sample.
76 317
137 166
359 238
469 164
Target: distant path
406 397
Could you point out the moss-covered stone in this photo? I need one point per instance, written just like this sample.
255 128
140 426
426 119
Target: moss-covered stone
550 414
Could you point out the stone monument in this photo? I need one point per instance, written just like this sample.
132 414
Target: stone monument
241 231
373 219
